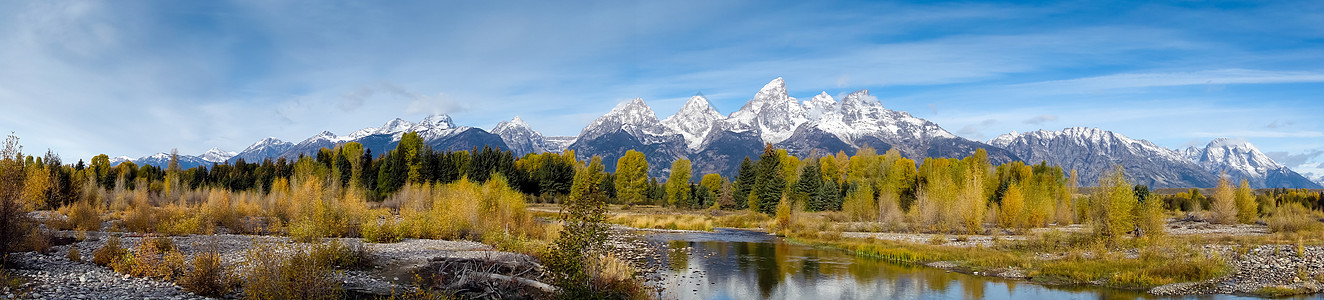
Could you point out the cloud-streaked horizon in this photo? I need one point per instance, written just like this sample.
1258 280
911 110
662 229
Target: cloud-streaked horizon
136 78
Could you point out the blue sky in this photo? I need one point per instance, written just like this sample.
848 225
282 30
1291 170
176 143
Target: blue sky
139 77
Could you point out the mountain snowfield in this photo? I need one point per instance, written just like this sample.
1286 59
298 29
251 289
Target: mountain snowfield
821 125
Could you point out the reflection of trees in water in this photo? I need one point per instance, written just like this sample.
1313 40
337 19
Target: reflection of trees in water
972 287
761 258
680 260
805 272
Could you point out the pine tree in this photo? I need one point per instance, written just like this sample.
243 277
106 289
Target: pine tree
810 187
769 183
744 184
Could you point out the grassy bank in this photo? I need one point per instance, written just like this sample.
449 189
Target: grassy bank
1047 259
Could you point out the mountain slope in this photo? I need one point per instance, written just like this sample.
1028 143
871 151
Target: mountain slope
522 139
1242 161
630 125
266 148
1093 152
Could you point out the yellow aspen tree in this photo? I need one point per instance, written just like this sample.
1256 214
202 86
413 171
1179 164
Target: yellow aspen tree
1224 209
1247 208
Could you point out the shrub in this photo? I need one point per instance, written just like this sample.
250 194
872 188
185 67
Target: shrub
384 229
39 241
83 216
13 214
147 260
207 277
341 255
1293 218
109 253
73 254
290 273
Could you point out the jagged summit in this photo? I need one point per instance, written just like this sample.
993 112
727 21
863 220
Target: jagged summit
1241 160
217 155
634 117
716 142
693 121
439 121
522 139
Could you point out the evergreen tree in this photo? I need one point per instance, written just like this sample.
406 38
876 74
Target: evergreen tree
769 183
810 188
744 183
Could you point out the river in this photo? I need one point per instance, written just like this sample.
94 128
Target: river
739 264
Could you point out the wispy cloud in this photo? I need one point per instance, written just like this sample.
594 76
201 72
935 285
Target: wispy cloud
1210 77
1040 119
1261 134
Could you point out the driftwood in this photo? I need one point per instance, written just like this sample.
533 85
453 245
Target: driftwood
489 277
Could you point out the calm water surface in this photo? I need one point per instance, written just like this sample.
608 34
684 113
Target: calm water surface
738 264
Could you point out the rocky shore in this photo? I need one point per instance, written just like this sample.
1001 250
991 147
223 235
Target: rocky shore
54 276
1280 267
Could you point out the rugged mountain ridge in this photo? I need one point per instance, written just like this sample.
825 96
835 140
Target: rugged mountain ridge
1092 152
1240 160
822 125
522 139
162 160
819 126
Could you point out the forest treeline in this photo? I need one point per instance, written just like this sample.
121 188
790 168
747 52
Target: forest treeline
932 195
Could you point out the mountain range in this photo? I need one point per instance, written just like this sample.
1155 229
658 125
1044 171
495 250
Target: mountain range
822 125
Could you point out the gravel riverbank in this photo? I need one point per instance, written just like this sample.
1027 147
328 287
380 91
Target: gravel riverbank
54 276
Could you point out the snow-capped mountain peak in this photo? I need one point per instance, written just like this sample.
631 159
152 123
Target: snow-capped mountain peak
1093 152
635 118
325 135
217 155
1237 158
267 142
820 106
441 121
772 112
522 139
693 121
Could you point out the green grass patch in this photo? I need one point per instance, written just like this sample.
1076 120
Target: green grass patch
1275 291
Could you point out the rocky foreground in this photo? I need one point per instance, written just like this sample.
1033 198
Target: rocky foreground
1280 267
54 276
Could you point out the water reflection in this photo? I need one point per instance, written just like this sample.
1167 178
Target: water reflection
737 264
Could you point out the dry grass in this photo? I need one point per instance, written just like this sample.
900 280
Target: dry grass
1294 218
673 222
